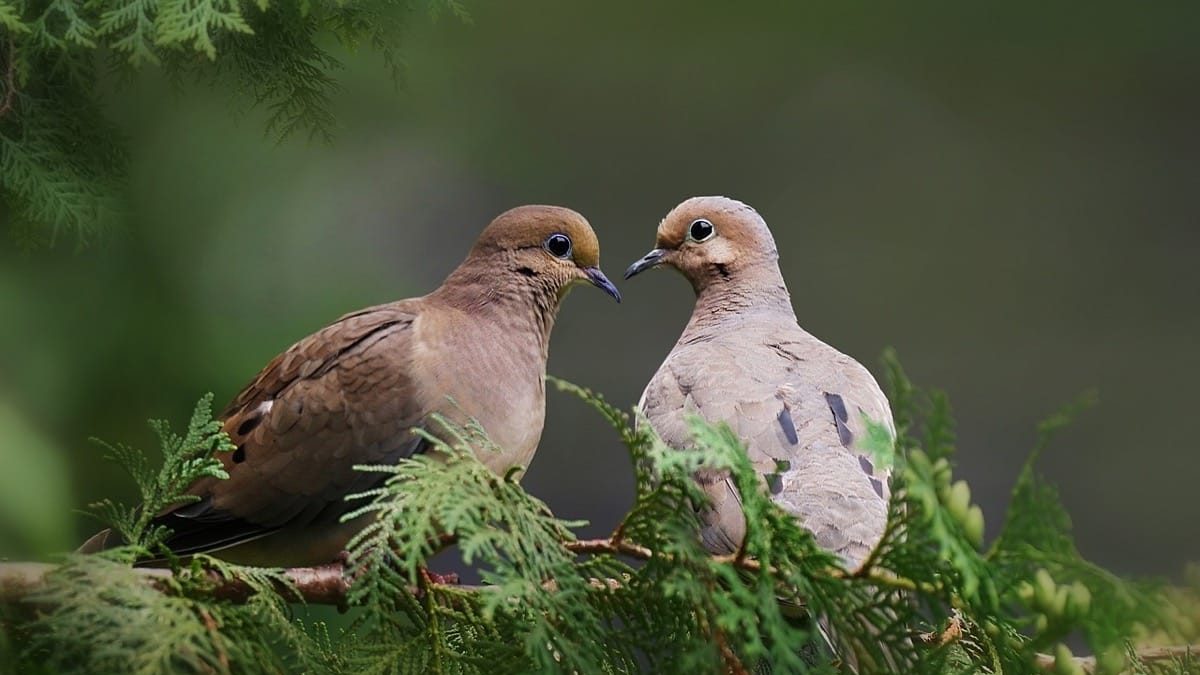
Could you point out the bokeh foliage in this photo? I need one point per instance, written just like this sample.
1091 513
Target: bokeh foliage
930 598
34 495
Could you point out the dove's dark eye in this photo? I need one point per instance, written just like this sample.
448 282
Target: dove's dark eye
559 245
701 229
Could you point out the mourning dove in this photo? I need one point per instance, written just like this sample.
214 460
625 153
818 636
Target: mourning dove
355 391
800 405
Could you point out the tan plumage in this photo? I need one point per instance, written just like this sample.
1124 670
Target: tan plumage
743 359
353 392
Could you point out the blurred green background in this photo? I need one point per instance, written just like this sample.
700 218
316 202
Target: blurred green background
1007 194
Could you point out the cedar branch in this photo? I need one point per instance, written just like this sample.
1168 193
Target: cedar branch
328 585
322 585
10 79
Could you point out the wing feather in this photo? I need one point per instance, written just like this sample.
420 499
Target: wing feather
340 397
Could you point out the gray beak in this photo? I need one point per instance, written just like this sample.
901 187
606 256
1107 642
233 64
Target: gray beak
649 260
600 281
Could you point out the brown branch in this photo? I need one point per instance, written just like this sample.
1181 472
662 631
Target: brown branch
612 546
733 665
10 79
210 624
953 632
323 585
729 659
328 585
619 546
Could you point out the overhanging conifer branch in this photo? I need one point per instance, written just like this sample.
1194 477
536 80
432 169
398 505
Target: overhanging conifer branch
10 78
57 181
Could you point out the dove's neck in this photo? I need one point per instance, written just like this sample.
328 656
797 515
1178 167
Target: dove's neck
515 304
740 294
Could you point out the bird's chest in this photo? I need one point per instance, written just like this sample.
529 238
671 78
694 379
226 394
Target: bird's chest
750 387
503 389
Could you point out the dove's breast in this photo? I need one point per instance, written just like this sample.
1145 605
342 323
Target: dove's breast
801 407
507 393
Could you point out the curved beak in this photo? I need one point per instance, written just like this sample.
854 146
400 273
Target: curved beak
651 259
600 281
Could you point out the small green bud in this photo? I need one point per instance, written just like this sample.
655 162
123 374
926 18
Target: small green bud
1064 661
1041 623
1111 661
973 525
919 459
1044 589
1080 601
1025 592
941 472
1060 602
928 503
959 500
970 586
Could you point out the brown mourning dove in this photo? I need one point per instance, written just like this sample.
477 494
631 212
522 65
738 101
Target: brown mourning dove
353 392
799 405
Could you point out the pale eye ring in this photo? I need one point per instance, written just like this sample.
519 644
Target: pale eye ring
559 245
701 230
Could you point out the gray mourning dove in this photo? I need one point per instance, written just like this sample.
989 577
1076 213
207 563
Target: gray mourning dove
353 393
798 404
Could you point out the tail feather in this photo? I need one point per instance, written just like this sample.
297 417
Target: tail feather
102 540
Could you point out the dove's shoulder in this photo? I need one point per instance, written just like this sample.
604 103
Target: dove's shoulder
323 350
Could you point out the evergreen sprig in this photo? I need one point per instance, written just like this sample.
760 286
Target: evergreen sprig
648 598
513 538
185 459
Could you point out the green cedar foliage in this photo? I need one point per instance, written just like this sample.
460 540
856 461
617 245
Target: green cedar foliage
62 164
649 599
186 459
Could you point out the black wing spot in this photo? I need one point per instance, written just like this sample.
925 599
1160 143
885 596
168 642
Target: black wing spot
867 467
878 485
249 425
789 427
774 482
838 407
239 455
844 434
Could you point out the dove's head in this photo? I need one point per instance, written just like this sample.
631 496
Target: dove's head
545 249
709 240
